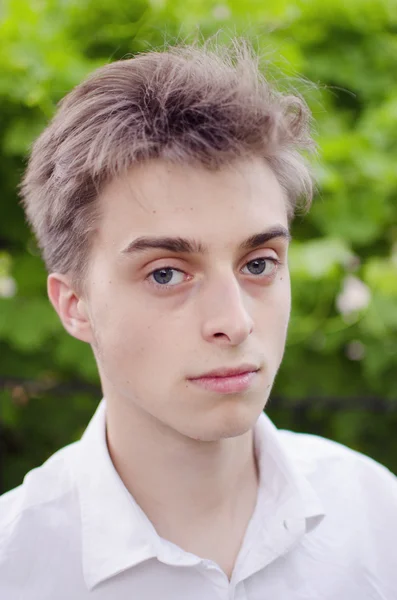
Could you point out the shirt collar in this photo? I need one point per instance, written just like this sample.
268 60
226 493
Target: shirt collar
117 535
287 506
281 482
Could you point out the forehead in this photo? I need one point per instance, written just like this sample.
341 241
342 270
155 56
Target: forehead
159 198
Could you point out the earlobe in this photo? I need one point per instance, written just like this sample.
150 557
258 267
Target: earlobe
70 308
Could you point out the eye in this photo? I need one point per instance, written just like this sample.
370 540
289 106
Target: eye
167 276
262 266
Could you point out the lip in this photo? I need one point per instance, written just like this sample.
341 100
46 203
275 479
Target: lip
229 371
227 380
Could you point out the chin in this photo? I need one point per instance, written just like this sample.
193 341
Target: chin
231 421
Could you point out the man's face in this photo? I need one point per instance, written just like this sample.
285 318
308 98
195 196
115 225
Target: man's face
164 316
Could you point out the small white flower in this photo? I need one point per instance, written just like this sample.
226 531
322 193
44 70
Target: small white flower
355 296
355 350
221 12
8 287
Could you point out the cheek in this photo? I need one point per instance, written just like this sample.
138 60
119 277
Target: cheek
284 304
134 338
275 312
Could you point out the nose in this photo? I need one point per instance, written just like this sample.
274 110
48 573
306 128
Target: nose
227 320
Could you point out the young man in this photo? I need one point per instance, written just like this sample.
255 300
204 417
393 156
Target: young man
161 196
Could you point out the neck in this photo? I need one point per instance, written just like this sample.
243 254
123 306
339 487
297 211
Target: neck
179 481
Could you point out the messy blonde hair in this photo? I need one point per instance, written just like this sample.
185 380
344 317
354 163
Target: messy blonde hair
186 104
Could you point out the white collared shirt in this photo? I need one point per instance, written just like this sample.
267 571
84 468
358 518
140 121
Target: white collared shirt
324 528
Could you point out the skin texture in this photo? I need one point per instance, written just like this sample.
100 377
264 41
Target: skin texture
185 453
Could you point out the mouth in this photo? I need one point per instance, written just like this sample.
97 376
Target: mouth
228 380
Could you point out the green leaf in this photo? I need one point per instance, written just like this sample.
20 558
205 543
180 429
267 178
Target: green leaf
318 258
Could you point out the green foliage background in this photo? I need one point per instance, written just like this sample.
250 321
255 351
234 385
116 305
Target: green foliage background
338 376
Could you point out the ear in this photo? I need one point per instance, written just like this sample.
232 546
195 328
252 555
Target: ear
71 308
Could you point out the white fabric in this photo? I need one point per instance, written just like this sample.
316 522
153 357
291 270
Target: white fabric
325 527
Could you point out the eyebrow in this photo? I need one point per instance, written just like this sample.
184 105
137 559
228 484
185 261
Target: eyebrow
189 246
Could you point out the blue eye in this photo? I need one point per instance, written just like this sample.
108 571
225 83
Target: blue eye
167 276
262 266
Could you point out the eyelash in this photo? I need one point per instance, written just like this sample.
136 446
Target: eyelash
164 287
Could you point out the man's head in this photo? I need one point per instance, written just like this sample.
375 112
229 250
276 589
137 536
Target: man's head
161 195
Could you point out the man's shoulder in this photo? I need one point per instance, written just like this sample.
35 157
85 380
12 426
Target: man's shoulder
356 538
42 486
341 474
314 452
37 515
